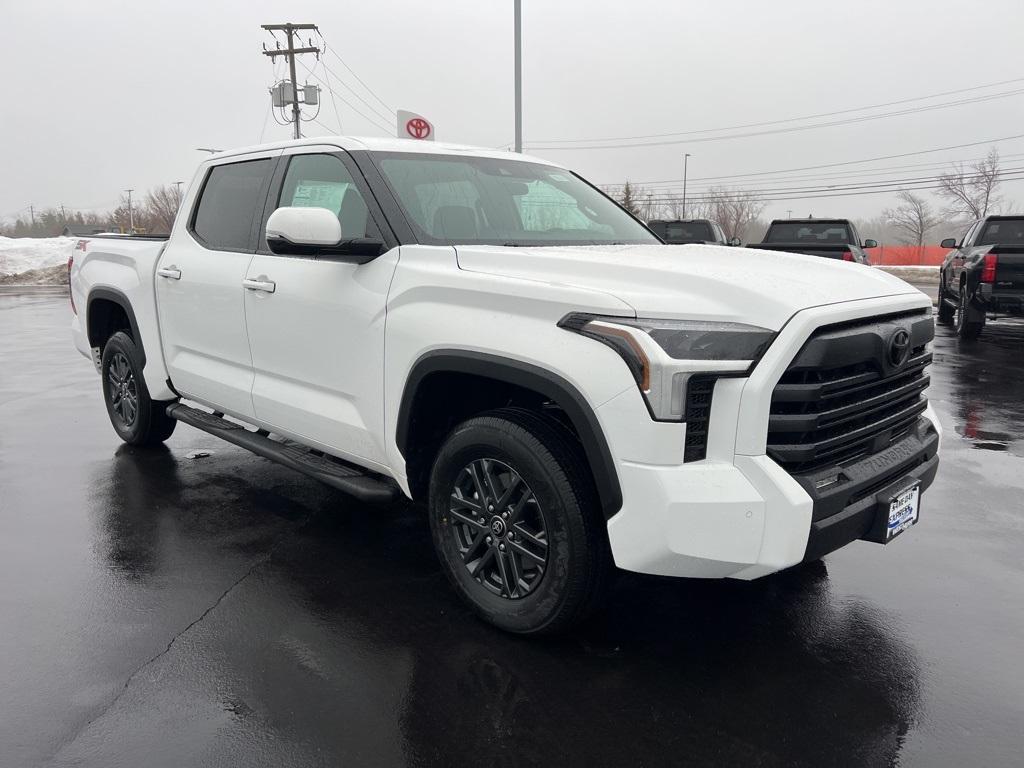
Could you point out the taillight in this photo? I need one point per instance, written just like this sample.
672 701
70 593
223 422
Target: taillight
988 271
847 256
71 261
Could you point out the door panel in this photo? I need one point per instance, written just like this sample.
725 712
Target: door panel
199 290
318 350
317 340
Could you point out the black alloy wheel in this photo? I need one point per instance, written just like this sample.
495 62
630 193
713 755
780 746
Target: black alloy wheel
134 415
124 392
499 528
516 522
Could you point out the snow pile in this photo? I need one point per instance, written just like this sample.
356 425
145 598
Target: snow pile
20 254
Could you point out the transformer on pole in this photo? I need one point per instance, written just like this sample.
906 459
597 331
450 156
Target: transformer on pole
283 97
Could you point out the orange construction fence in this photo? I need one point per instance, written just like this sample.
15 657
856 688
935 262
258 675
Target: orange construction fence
907 255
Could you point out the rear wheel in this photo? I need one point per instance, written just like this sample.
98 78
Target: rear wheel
515 522
968 320
137 419
946 309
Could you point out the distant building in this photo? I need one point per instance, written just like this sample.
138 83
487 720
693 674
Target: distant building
82 230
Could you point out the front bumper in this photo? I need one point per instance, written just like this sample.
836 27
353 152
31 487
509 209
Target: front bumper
738 514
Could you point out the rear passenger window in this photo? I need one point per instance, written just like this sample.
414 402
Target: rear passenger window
230 200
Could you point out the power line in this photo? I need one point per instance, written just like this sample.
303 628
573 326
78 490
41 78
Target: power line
330 49
351 90
846 162
793 129
781 197
373 121
855 184
334 103
786 120
892 171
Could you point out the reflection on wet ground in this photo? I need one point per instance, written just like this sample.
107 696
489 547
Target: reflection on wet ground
988 378
220 610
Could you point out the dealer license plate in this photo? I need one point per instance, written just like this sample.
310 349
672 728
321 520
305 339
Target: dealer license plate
903 511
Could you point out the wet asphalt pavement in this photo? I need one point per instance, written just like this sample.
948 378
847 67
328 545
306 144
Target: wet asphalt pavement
161 610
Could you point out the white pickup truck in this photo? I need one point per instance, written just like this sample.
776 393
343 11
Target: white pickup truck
489 334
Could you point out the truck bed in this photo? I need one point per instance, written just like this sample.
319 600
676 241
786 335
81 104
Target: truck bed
830 251
109 266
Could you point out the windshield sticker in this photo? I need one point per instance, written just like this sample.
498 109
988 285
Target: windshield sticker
319 194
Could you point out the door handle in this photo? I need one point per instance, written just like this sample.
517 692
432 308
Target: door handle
261 283
171 272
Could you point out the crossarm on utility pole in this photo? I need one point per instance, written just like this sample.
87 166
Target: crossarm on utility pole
291 52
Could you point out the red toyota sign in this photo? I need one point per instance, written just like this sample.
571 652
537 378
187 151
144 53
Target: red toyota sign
413 126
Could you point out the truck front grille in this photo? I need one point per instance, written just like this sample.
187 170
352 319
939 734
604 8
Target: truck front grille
844 396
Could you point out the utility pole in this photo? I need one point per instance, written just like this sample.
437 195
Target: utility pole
131 214
290 53
686 157
789 213
518 10
32 213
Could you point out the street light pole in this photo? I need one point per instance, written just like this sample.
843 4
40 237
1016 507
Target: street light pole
518 11
686 157
131 213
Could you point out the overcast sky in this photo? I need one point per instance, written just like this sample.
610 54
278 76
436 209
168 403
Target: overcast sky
105 95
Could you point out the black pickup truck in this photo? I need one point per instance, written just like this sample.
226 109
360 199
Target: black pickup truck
983 275
828 238
680 231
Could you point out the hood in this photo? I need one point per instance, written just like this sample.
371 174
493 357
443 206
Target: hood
696 282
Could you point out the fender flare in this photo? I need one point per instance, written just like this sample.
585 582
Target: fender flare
119 298
532 377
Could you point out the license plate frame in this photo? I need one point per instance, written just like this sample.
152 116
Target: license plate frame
904 510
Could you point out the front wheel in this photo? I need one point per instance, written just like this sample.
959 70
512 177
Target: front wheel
137 419
516 524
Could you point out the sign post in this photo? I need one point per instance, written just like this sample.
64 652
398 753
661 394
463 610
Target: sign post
413 126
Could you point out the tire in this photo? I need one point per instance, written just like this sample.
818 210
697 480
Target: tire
553 503
946 311
968 320
136 418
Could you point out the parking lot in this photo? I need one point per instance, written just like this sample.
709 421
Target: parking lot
166 607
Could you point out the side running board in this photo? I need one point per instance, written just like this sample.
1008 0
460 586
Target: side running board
335 473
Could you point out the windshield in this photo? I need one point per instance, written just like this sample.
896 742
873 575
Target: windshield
821 232
1003 232
452 199
684 231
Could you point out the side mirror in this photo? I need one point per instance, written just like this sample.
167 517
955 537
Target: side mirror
735 241
316 232
870 243
949 242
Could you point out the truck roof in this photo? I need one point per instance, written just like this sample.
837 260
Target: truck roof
382 144
808 221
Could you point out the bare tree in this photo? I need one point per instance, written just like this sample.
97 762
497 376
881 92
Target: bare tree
972 191
733 209
913 218
161 207
119 219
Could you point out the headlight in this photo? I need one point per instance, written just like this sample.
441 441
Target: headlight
663 354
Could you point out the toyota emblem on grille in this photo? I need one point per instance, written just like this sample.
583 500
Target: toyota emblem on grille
899 347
